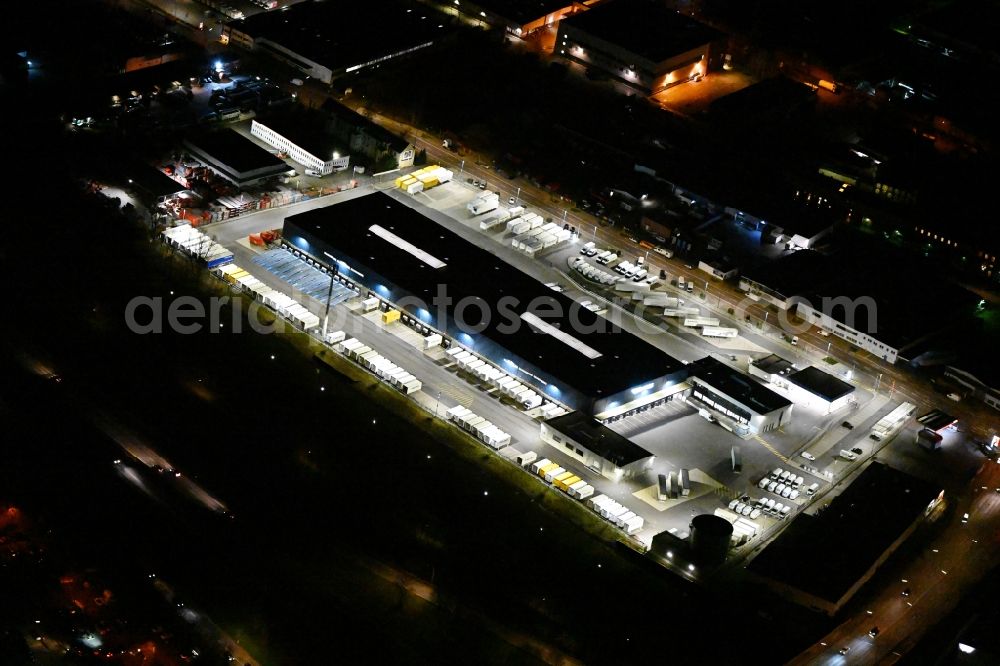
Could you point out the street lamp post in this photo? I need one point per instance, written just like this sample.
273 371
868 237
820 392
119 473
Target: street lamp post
517 197
461 169
329 296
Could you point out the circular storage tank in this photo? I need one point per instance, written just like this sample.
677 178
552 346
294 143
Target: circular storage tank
710 537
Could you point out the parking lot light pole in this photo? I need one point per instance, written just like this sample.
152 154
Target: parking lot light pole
326 315
517 197
461 169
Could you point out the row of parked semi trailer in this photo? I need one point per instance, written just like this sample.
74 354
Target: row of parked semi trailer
424 179
278 301
617 513
550 472
377 364
533 234
499 219
477 426
507 385
197 244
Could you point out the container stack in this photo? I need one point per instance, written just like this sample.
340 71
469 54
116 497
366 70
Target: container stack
197 244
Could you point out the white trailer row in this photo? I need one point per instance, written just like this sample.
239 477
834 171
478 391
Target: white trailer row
477 426
619 514
281 303
540 238
527 397
381 367
197 244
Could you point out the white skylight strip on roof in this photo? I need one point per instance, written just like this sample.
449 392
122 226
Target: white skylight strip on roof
406 246
565 338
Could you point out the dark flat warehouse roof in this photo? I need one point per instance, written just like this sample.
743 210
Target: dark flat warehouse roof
331 33
364 124
774 365
645 28
825 555
820 383
472 272
738 386
241 155
599 438
899 285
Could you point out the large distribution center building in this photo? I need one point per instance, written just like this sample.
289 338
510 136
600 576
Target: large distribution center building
486 305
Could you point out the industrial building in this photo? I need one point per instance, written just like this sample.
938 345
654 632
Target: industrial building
641 43
320 39
235 157
367 137
815 388
821 561
772 368
311 147
856 296
151 184
737 401
809 386
543 338
595 445
521 17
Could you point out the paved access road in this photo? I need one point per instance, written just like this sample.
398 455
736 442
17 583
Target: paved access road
952 563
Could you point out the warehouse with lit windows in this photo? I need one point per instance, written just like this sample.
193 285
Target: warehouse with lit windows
643 44
440 281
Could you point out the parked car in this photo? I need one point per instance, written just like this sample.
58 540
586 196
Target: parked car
858 450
